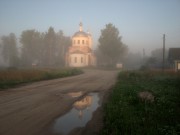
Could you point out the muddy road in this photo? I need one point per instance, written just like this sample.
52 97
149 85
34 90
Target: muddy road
31 109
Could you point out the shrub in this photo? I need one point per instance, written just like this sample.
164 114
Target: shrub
9 78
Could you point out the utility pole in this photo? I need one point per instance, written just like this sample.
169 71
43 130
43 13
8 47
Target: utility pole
143 56
163 52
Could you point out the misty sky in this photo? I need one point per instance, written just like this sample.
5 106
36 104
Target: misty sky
141 23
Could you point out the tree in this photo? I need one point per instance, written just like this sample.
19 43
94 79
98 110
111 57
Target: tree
50 46
111 45
31 47
43 49
55 46
151 61
59 48
9 51
158 55
62 44
133 61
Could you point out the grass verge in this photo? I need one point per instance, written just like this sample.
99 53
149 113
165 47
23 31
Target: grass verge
127 114
11 78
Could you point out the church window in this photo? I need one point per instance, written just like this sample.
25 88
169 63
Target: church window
75 59
82 41
78 41
81 59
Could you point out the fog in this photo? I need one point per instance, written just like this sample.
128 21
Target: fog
140 25
34 49
49 48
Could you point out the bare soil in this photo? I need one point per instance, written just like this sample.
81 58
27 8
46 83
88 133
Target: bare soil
31 109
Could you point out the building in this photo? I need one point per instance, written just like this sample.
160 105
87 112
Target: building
174 58
80 53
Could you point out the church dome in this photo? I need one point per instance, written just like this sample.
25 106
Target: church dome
80 34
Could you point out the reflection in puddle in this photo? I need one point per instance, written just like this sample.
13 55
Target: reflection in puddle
79 115
75 94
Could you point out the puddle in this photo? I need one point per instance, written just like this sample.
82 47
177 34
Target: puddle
78 116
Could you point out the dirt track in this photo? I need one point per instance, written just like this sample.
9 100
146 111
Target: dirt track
30 109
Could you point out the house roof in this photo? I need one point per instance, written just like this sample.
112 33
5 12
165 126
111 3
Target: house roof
174 54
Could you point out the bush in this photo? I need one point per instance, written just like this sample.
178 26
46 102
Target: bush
10 78
144 68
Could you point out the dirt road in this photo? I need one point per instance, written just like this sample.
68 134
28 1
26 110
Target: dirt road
30 109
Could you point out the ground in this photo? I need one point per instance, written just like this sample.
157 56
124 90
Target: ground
31 109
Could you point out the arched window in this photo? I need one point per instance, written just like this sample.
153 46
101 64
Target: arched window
75 59
78 41
82 41
81 59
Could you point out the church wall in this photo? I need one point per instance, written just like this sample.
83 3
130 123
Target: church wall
93 62
77 60
86 62
76 41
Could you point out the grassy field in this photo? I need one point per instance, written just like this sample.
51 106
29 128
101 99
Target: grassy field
10 78
126 113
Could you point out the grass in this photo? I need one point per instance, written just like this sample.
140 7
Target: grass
11 78
127 114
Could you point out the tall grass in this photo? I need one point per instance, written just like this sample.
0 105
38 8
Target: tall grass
127 114
9 78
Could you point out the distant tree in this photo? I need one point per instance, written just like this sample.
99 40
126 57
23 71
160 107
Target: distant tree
31 47
157 54
9 50
101 58
111 45
133 61
62 44
151 60
67 43
44 49
55 46
50 47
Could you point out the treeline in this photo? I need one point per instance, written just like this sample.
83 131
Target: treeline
42 49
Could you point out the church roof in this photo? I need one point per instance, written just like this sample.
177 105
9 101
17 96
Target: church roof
77 52
80 34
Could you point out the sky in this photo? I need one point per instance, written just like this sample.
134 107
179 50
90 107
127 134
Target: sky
141 23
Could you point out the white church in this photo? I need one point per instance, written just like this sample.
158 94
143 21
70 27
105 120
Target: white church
80 53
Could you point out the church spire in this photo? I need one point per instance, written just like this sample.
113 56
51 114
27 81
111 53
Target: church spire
80 26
